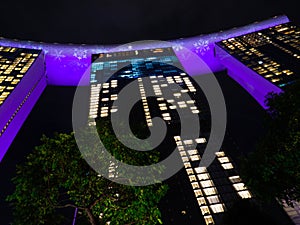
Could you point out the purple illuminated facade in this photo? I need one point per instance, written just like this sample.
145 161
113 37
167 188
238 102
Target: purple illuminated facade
18 105
255 84
66 64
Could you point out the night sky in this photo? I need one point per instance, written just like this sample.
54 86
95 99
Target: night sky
121 21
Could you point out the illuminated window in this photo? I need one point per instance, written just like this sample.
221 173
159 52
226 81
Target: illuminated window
223 159
198 192
190 171
275 80
190 101
220 154
177 95
200 169
239 186
209 220
201 201
114 97
177 138
200 140
203 176
227 166
217 208
182 153
188 142
235 179
213 199
105 99
244 194
269 75
192 178
180 148
210 191
179 143
206 183
195 157
113 110
103 115
204 210
182 104
106 85
192 152
195 185
187 165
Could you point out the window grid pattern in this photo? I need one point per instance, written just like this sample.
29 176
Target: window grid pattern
273 53
235 180
14 63
203 186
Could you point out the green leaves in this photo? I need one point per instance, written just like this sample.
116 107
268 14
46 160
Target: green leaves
55 176
272 170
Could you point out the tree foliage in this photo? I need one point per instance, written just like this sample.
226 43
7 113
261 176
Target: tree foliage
273 169
55 176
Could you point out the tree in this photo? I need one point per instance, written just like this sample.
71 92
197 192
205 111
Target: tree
55 177
273 169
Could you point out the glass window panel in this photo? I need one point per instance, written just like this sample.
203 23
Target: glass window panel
198 192
204 210
201 201
223 159
227 166
210 191
239 186
213 199
217 208
244 194
206 183
203 176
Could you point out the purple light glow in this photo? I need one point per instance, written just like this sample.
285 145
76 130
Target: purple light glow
66 64
255 84
30 88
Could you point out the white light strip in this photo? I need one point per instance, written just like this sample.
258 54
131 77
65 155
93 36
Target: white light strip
144 101
94 101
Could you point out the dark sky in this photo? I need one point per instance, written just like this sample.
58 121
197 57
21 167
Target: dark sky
120 21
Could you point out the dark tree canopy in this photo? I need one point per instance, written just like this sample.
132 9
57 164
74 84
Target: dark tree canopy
273 169
55 177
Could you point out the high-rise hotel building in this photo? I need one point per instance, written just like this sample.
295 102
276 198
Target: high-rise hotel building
213 189
262 59
271 54
22 80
